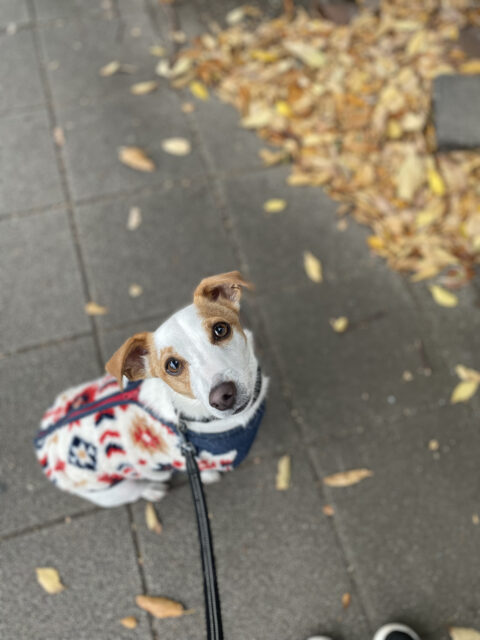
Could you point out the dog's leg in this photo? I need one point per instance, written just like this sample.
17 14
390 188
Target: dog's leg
125 492
209 476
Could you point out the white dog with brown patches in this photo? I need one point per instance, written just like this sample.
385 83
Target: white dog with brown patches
115 439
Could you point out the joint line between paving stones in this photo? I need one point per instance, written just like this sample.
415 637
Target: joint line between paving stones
138 555
49 523
63 178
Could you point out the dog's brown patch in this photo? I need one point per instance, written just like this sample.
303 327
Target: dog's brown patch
179 383
213 312
145 437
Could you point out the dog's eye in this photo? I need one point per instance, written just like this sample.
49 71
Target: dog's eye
221 330
173 366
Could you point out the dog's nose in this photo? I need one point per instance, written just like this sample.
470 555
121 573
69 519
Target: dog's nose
222 397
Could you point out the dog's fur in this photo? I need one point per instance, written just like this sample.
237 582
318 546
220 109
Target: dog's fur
121 450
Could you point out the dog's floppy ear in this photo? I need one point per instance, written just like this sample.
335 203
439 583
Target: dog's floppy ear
225 288
131 359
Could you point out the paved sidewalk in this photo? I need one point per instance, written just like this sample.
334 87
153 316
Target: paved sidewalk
404 543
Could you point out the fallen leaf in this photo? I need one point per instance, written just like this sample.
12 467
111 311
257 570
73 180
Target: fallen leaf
375 242
176 146
110 69
476 518
274 205
257 119
95 309
410 176
158 51
313 267
59 136
339 324
407 376
346 599
178 36
347 478
199 90
135 290
463 633
235 16
282 482
328 510
134 218
443 297
436 183
464 391
464 373
136 158
49 579
472 66
188 107
160 607
433 445
142 88
309 55
129 622
151 518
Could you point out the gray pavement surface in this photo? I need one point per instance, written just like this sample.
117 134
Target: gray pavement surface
403 543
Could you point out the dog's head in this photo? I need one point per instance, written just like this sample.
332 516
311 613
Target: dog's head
201 352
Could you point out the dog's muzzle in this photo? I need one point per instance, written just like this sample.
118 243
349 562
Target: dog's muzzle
223 396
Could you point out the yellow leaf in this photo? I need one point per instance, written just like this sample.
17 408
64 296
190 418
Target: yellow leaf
313 267
283 108
142 88
264 56
436 183
94 309
199 90
110 69
394 130
176 146
347 478
151 518
339 324
463 633
282 482
375 242
129 622
471 67
134 218
274 205
424 218
346 599
417 43
464 373
49 579
135 290
160 607
464 391
443 297
136 158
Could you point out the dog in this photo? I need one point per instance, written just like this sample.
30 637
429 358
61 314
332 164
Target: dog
115 439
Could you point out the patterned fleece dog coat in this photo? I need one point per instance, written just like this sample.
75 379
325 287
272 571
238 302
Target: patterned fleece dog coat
80 448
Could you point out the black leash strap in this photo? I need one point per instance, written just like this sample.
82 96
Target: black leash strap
213 612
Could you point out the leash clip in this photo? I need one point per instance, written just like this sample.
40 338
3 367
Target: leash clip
185 445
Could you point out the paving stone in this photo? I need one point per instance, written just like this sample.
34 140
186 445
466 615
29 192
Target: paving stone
27 179
274 243
163 255
56 9
13 12
29 382
456 99
341 383
19 76
96 561
408 530
281 573
40 294
95 133
75 51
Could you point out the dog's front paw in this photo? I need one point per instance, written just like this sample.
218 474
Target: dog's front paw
209 476
155 492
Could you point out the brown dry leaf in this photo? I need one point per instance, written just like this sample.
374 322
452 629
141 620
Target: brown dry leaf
151 518
443 297
95 309
199 90
410 176
347 478
160 607
340 324
49 579
346 600
136 158
129 622
176 146
188 107
142 88
59 136
463 633
135 290
274 205
464 391
134 218
328 510
282 481
313 267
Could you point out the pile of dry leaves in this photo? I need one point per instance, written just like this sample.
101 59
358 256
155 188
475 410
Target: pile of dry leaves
350 106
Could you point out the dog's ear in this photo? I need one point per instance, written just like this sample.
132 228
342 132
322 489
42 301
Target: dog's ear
225 288
131 359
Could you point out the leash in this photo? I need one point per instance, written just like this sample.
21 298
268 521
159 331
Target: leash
213 612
